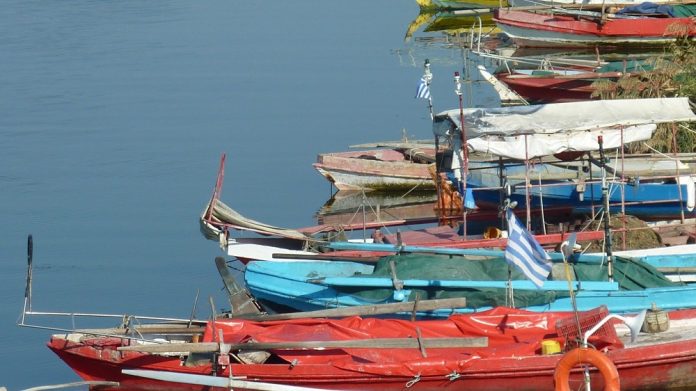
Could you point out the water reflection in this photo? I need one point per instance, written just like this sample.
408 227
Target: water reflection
354 208
453 30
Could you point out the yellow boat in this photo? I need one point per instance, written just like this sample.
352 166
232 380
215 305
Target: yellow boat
459 4
451 23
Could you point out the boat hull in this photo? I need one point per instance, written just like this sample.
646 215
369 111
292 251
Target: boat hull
646 201
553 89
661 361
381 169
528 29
298 285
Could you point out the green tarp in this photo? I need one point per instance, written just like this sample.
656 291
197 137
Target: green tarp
684 10
629 274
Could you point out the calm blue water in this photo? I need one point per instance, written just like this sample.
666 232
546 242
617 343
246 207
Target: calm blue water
114 115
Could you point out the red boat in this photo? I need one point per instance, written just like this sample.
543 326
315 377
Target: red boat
500 349
561 28
554 87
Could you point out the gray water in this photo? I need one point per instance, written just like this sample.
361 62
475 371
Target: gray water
113 118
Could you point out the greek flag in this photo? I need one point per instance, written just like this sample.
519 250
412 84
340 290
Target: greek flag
423 89
525 252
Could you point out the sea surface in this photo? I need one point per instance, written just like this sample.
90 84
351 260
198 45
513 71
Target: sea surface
114 116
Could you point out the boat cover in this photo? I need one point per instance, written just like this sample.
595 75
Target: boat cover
565 117
571 126
223 214
538 145
510 332
648 8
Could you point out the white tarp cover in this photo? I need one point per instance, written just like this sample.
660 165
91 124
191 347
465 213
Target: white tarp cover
570 116
548 144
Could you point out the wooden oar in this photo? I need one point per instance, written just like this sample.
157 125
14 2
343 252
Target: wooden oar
96 384
367 310
212 381
373 343
164 330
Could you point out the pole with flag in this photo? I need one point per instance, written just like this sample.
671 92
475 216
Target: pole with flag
524 252
423 91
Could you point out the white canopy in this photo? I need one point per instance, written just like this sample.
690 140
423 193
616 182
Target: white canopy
564 117
558 127
549 144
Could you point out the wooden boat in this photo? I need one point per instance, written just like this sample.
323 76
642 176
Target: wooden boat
497 132
261 241
309 351
499 349
404 166
278 243
481 277
560 28
554 86
564 83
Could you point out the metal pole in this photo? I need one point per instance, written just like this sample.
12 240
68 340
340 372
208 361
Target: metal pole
465 152
678 176
623 193
428 77
605 201
27 288
527 198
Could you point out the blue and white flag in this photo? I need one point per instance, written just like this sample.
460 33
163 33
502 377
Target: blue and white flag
525 252
423 89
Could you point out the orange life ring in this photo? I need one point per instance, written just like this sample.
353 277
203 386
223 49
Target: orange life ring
586 356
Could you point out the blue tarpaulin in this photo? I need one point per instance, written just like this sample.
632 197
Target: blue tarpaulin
648 8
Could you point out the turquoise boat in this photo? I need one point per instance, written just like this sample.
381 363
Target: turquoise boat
483 280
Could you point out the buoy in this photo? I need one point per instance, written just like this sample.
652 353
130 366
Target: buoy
586 356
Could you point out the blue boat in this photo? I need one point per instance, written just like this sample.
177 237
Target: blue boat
535 156
314 285
661 199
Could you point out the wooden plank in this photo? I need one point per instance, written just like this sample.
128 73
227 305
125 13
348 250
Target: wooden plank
179 330
373 343
368 310
677 269
326 257
396 144
386 282
412 249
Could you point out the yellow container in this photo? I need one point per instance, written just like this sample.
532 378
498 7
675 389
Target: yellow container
550 346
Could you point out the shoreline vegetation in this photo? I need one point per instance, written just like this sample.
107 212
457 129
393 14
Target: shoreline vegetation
673 74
